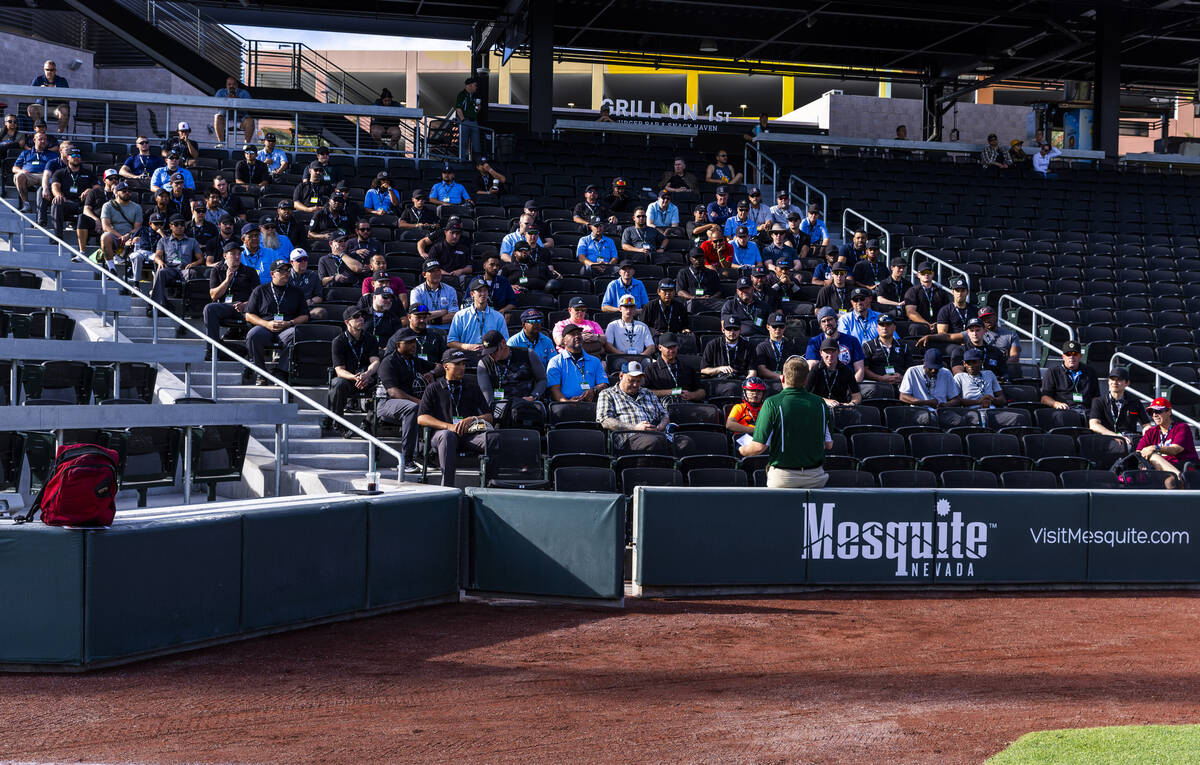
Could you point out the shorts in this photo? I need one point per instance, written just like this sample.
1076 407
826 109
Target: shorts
803 478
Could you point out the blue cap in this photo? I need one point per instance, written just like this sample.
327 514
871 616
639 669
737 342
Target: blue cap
825 311
933 359
973 354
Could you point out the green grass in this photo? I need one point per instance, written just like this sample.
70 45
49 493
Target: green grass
1097 746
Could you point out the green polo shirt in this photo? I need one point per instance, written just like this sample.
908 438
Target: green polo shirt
792 424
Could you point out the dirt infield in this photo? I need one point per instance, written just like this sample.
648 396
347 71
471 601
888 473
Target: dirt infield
823 678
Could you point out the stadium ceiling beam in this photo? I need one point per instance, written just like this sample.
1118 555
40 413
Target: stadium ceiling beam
945 15
494 31
591 21
799 20
931 46
1014 71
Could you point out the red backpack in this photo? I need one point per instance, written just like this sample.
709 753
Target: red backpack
82 491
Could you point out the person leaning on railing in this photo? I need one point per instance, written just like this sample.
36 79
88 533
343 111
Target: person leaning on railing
232 90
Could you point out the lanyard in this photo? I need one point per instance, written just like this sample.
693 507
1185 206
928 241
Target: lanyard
670 312
1116 405
277 297
1164 439
830 380
862 324
455 390
672 369
350 342
1075 378
630 330
503 372
777 352
729 356
841 293
962 315
929 293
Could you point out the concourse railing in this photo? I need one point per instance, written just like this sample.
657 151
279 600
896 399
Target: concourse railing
873 230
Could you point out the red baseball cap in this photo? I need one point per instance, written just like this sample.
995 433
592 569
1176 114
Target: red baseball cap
1159 404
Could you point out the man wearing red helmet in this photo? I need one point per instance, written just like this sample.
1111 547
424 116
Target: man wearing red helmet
744 414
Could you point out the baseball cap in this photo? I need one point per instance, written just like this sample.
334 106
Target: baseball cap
531 204
121 186
405 335
1159 404
666 284
285 204
814 208
633 368
973 354
1120 373
777 320
722 190
933 358
926 266
741 231
972 323
418 308
987 310
172 155
860 293
477 284
958 284
419 194
627 300
829 344
352 311
743 205
231 246
197 205
577 302
447 168
177 218
110 172
492 340
249 228
454 225
754 192
668 340
744 283
430 265
620 182
730 322
265 221
521 246
782 194
759 270
249 148
227 218
794 216
74 153
872 244
664 194
382 175
383 290
596 221
884 319
839 266
785 263
183 126
533 315
825 312
1071 346
453 356
298 254
322 150
269 137
571 328
590 187
280 265
158 218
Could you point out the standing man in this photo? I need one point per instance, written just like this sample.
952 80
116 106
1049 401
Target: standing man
793 428
466 111
275 310
452 406
404 376
355 356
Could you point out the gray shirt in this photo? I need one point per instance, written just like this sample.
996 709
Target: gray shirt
917 384
976 386
178 252
123 217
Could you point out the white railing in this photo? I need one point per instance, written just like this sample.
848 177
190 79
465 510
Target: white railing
765 170
867 225
892 143
940 268
286 391
1037 316
811 192
1159 390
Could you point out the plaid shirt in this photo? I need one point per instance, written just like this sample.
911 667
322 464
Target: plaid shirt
617 404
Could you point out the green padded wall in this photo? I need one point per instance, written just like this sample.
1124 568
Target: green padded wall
412 547
41 602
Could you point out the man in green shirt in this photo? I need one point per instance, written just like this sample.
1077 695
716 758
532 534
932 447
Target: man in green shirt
466 110
793 427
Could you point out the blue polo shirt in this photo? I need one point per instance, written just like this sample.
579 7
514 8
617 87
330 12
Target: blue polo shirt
616 290
544 347
34 161
273 160
144 165
718 213
510 241
469 325
260 263
162 177
224 93
451 193
732 224
500 292
851 350
569 374
816 231
861 330
603 251
745 256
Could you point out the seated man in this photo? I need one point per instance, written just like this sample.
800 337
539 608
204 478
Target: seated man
355 355
993 359
593 333
778 250
771 353
698 284
860 322
745 251
440 299
952 318
785 292
728 358
836 294
531 336
749 309
403 376
175 254
274 310
453 406
418 215
574 375
721 171
596 252
525 271
744 414
670 380
182 144
741 219
250 172
592 207
931 384
719 210
832 380
68 186
870 271
855 250
678 179
473 322
891 291
978 388
634 415
783 209
1070 385
430 345
275 159
337 215
454 254
851 353
271 243
666 313
624 284
308 283
924 300
163 175
818 235
718 252
511 379
664 216
1117 413
641 237
627 335
501 295
886 360
310 195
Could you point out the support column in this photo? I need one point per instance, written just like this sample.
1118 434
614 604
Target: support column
479 68
597 85
412 81
504 96
931 112
789 94
541 66
692 89
1107 90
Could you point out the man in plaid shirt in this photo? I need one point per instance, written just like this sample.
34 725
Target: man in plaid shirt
636 417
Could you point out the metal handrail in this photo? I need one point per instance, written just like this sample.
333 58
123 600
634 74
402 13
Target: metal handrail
1159 376
763 178
1036 314
286 390
426 129
941 265
808 189
885 247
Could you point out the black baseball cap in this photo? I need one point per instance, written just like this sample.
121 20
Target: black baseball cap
860 293
531 204
668 340
814 208
958 284
744 283
280 265
777 320
743 205
884 319
838 266
1072 346
666 284
406 335
741 231
285 204
352 311
829 344
477 284
418 308
721 191
492 340
1119 373
730 322
577 302
976 322
453 356
872 244
231 245
429 265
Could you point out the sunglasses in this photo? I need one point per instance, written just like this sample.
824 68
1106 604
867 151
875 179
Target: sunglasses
143 143
639 216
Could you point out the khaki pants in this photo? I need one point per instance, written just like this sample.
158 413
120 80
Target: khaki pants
808 478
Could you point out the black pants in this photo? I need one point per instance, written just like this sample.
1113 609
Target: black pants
446 443
341 391
403 412
59 212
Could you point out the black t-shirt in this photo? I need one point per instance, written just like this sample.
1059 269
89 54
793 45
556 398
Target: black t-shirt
993 358
660 375
891 289
1061 385
956 317
75 183
384 325
329 172
928 301
620 203
267 301
427 214
1123 415
312 194
364 248
837 384
245 281
353 355
448 402
331 265
718 354
204 233
396 371
251 174
95 197
232 204
672 317
771 357
437 237
535 274
837 298
215 248
180 146
866 272
295 230
692 280
586 211
451 257
325 220
877 357
430 345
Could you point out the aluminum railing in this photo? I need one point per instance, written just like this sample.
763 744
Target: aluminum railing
765 170
940 268
1159 389
867 225
811 192
893 144
440 137
286 390
1037 317
260 108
